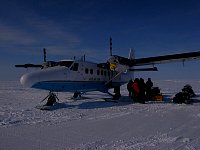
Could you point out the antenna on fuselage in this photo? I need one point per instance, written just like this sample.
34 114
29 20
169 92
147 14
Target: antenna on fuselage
44 55
110 46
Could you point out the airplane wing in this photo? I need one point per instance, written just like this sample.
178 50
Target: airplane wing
119 63
165 59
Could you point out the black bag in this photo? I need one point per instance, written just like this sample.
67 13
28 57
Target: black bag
188 89
182 97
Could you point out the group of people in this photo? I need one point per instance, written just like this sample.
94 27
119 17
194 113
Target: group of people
140 91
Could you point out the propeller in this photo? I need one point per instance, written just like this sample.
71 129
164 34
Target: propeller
28 66
107 64
110 46
34 65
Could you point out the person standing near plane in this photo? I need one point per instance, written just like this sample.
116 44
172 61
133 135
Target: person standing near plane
136 90
149 85
129 87
142 87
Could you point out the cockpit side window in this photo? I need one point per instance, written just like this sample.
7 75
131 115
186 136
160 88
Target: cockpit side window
74 67
86 70
91 71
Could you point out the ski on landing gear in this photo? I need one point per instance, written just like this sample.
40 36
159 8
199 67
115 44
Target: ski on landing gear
51 101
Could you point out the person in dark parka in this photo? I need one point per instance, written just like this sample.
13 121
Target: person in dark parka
149 85
142 87
129 87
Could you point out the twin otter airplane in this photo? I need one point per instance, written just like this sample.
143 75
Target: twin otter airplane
79 76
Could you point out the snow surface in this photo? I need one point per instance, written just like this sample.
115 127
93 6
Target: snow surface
92 123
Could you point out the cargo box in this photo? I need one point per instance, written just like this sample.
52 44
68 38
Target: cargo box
157 98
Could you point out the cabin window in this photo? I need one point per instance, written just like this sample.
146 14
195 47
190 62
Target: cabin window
98 72
91 71
101 72
86 70
74 67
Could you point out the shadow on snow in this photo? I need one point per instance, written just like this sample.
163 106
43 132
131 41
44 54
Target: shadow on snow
124 100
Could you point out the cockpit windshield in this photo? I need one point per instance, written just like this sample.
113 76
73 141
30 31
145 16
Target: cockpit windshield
66 63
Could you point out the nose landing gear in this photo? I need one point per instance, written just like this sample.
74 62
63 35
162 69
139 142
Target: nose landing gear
51 99
77 95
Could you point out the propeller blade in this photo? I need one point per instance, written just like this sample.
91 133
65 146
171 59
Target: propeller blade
28 66
45 55
110 46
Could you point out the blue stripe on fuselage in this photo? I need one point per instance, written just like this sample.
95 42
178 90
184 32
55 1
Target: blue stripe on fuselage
71 86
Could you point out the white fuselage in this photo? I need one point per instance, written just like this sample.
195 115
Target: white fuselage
73 76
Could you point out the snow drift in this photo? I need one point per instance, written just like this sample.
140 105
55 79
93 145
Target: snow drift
92 123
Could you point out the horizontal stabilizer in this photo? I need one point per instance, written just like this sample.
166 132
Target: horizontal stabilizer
29 66
144 69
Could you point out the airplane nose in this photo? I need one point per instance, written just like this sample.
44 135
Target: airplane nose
23 80
49 74
27 80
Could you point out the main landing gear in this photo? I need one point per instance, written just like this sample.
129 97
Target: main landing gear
117 93
116 96
77 95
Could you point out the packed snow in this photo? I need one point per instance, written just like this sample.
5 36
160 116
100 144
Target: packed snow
92 123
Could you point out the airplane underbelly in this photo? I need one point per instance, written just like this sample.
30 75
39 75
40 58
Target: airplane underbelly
69 86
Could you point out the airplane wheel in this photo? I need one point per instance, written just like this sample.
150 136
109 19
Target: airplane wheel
77 94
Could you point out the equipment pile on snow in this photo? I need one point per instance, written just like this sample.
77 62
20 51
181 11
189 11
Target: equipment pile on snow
156 94
185 95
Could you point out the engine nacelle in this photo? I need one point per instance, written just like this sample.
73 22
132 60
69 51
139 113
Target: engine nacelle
116 65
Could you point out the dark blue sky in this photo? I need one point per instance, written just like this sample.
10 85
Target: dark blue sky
67 28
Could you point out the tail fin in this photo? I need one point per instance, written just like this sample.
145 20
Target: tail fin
131 54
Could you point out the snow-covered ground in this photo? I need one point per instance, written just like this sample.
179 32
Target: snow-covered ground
92 123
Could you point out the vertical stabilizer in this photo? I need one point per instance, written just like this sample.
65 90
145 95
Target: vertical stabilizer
131 54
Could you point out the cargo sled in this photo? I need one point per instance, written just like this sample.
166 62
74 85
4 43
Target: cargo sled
156 94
